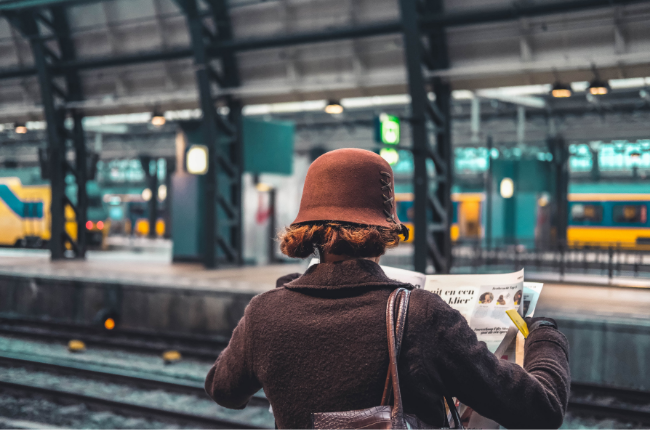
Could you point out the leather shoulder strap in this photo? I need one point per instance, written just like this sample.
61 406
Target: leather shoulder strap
396 311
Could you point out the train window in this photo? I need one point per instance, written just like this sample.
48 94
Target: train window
630 213
583 212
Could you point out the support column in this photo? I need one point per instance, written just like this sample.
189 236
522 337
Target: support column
429 119
557 147
41 26
221 133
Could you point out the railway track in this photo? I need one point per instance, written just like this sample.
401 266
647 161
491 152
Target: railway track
124 408
127 377
195 346
624 407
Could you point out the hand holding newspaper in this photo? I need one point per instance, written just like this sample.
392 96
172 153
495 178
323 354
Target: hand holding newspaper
484 301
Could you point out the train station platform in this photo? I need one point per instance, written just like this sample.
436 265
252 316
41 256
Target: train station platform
584 296
144 288
608 327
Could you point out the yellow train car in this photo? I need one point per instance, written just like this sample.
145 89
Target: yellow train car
25 214
594 219
466 223
609 219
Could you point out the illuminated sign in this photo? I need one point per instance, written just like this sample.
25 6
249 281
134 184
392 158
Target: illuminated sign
387 129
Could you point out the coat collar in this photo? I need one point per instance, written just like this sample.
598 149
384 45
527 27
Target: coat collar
344 274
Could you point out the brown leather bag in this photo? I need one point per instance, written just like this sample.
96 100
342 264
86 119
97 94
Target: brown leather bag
384 416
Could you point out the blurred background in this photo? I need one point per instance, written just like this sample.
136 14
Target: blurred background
146 143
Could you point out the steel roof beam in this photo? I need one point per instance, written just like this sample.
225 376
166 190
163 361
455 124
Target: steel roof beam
368 30
15 5
517 11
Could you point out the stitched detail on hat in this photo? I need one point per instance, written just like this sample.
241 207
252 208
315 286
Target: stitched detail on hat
388 200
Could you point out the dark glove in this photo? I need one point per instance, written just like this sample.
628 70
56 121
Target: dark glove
286 279
537 322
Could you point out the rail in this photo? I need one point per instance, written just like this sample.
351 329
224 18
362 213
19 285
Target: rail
629 406
584 397
202 347
604 259
126 408
127 376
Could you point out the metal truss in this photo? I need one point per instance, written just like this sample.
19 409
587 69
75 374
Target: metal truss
425 21
221 120
48 32
430 122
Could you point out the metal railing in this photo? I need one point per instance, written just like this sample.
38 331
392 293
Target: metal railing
593 258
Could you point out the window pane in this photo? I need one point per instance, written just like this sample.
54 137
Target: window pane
630 213
587 212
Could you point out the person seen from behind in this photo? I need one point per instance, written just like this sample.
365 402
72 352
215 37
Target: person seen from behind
318 342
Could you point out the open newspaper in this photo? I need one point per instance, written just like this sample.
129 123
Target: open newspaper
483 300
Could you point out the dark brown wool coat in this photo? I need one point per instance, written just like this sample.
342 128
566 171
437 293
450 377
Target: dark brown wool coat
318 344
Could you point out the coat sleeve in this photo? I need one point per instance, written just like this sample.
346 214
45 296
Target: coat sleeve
231 382
534 396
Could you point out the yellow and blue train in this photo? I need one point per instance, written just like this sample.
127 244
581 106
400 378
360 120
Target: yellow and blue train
593 218
25 219
609 219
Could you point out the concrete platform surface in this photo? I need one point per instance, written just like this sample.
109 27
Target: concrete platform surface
569 301
150 268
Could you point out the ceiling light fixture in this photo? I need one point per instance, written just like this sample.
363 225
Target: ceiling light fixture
597 86
560 90
157 118
334 107
20 128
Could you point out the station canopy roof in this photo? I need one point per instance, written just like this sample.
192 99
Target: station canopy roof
135 55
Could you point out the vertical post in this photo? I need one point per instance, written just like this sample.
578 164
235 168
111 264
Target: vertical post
475 119
595 164
432 196
170 168
82 169
237 158
56 145
272 224
153 201
53 99
442 204
419 100
521 126
488 195
221 134
561 164
75 94
209 120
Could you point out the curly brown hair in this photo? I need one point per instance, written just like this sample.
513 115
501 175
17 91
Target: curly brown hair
353 240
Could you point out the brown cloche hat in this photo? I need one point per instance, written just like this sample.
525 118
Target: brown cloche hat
349 185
